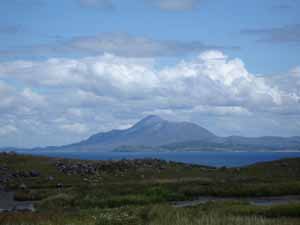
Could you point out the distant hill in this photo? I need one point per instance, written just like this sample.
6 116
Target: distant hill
237 143
154 133
150 132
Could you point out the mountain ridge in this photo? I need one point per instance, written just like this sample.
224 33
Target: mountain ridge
155 133
151 131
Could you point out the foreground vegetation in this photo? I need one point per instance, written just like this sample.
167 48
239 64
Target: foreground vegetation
162 214
141 192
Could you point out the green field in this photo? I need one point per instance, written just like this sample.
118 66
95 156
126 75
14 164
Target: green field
141 192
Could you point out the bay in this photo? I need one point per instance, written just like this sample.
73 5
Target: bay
209 158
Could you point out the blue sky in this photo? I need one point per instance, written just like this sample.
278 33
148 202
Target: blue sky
25 24
55 48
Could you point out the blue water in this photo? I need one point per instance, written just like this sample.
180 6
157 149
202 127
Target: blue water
228 159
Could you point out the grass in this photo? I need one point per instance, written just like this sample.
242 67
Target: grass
140 194
182 219
223 214
157 215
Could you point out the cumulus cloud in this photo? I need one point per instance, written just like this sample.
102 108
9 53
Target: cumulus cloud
83 96
7 130
295 71
176 5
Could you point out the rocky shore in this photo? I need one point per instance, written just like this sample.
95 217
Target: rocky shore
73 167
79 168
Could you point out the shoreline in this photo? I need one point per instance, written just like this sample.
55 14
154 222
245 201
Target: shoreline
230 159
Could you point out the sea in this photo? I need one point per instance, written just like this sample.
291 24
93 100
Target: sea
208 158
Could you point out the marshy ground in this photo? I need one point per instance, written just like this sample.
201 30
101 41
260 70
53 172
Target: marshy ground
141 192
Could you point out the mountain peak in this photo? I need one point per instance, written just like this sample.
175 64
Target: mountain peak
150 120
151 131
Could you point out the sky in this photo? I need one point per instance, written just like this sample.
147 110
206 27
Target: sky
72 68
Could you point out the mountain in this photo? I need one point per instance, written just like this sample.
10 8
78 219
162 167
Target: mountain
155 133
150 132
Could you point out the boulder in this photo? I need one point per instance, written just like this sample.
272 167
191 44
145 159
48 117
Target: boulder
23 208
34 173
50 178
23 186
59 185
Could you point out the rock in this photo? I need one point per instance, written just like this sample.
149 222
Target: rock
34 173
59 185
23 186
4 210
114 167
4 180
15 175
50 178
12 153
24 174
23 208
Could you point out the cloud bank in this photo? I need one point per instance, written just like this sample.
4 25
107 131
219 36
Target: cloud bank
120 44
78 97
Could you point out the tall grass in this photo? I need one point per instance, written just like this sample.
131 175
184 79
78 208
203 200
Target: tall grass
178 219
144 215
171 216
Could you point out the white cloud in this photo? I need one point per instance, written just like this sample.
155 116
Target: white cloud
295 71
7 130
123 44
120 44
6 95
75 128
33 97
176 5
98 4
87 95
222 110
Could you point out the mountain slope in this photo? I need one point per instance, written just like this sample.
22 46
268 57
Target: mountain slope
152 131
155 133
